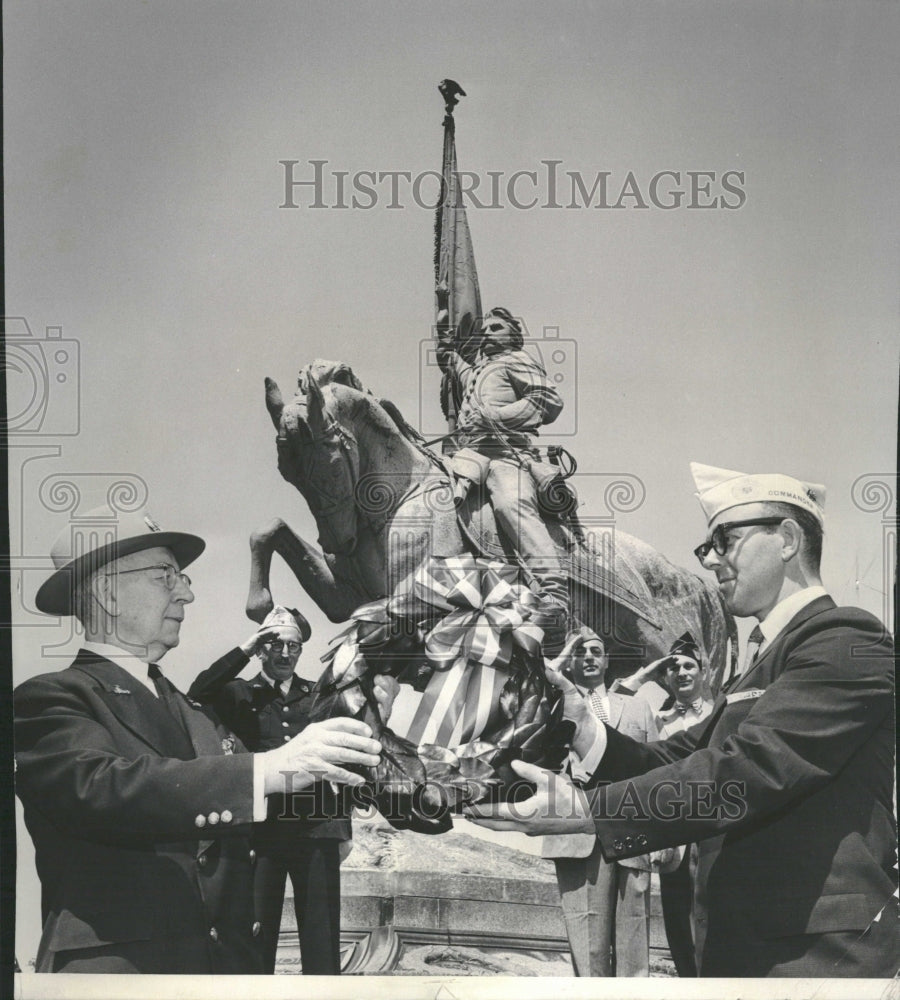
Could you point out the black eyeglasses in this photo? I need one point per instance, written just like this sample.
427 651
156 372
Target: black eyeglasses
719 540
171 574
277 646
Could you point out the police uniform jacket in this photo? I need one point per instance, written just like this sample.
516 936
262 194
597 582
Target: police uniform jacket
788 786
264 718
138 814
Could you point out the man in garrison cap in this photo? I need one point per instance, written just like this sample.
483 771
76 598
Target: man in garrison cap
305 834
606 906
139 803
787 785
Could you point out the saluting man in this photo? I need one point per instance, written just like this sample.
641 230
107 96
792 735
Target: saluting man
139 802
787 786
606 905
304 834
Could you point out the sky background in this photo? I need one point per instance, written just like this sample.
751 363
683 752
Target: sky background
142 147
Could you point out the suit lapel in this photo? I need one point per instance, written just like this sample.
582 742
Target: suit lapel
812 609
146 717
204 736
616 705
132 704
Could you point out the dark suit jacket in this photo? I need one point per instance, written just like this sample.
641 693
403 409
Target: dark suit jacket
788 784
117 796
264 718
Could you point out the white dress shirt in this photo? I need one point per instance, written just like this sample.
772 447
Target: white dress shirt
778 619
129 662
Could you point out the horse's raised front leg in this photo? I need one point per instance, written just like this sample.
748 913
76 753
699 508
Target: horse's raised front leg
308 565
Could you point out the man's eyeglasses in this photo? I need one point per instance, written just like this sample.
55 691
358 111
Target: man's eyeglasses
719 540
277 646
171 574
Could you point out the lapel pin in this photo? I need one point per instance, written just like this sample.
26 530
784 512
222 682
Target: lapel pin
119 690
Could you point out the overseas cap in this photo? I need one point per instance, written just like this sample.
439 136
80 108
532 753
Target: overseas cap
280 617
685 645
721 489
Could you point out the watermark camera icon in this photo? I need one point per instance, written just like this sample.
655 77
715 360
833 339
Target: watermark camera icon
43 384
558 356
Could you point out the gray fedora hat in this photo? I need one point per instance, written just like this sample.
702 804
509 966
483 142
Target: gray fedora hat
97 538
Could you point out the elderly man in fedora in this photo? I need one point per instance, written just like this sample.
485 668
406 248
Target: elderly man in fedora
306 834
139 802
787 785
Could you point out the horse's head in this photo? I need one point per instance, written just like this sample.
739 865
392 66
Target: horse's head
319 455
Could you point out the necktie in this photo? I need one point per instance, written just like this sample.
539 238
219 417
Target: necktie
163 688
754 641
682 708
179 741
595 700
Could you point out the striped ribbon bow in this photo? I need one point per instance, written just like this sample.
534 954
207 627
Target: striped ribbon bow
489 617
489 611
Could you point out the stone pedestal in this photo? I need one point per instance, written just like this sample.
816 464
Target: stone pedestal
417 905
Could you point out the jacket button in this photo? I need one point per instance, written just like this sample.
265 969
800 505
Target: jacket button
629 843
213 818
214 934
641 840
618 845
287 738
226 816
284 723
200 821
201 861
252 855
285 708
255 929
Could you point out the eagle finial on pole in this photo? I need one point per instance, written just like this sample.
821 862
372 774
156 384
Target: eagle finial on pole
451 92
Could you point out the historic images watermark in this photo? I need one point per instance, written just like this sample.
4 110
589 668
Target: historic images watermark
666 801
316 184
42 381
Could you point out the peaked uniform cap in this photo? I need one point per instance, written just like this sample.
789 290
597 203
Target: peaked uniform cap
98 537
719 490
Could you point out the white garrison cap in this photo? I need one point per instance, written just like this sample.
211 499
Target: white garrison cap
281 617
721 489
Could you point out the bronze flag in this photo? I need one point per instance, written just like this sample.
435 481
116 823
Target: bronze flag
457 295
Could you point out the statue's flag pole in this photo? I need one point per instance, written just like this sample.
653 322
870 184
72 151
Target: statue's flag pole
457 295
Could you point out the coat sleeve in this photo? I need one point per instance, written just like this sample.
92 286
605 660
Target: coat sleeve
213 686
797 736
537 402
69 768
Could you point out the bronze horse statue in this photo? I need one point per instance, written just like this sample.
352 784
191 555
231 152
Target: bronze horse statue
383 502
